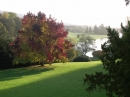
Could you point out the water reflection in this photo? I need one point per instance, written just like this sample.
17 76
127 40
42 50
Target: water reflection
97 45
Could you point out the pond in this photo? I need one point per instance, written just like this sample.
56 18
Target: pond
97 46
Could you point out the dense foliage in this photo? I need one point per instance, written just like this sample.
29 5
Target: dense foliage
41 40
3 32
82 58
9 25
85 44
116 61
6 55
71 54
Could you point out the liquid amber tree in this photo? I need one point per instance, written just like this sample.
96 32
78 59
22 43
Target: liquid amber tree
41 40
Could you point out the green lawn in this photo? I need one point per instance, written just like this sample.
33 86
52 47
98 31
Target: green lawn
57 80
74 35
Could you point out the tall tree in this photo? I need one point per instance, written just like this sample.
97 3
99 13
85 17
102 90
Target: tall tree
12 23
3 32
12 14
41 40
87 30
10 26
90 30
5 15
18 24
102 30
116 62
6 56
96 30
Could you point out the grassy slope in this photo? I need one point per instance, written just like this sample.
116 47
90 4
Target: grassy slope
74 35
57 80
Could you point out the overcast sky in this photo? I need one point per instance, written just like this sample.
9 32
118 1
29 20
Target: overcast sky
78 12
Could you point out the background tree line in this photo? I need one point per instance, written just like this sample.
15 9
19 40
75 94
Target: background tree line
32 39
97 30
9 25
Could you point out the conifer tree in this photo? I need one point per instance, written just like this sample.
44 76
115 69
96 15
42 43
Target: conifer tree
116 62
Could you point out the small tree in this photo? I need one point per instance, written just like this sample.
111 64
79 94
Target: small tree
71 54
87 30
116 61
96 30
3 32
85 44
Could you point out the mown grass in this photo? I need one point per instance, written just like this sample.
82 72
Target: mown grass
74 35
57 80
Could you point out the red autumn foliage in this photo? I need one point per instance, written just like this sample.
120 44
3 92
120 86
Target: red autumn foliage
42 34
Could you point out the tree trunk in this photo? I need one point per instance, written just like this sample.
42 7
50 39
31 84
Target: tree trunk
42 63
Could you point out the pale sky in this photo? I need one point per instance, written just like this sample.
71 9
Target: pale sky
78 12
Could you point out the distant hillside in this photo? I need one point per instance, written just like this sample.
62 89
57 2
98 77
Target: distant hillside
18 14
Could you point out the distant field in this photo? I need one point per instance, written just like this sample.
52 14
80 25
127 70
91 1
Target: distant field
74 35
57 80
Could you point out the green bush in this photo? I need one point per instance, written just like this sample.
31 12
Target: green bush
71 54
95 58
82 58
6 56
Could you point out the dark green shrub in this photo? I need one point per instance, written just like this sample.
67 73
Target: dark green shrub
98 53
6 56
95 58
72 53
116 62
82 58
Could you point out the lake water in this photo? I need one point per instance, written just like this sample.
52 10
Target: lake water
97 46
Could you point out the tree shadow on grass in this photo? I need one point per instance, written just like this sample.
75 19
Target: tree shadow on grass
19 72
69 84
